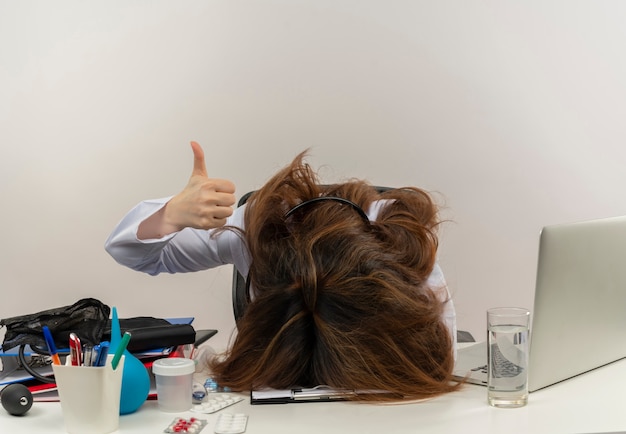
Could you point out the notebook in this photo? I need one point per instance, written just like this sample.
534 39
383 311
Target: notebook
579 313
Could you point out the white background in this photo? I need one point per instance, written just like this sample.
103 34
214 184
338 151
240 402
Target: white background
511 113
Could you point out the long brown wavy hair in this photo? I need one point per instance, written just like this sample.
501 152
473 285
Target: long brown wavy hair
338 301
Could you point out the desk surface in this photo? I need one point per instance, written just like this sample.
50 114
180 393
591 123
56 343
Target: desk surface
590 403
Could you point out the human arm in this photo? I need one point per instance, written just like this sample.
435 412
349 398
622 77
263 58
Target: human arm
185 251
175 234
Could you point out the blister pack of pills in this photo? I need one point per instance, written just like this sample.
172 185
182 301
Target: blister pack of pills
228 423
216 402
182 425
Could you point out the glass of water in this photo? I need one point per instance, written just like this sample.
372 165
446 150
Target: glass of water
508 347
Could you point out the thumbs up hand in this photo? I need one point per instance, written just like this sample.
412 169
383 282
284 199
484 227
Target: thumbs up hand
205 203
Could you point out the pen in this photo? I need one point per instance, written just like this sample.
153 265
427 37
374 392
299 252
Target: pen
100 354
76 351
120 350
87 355
52 349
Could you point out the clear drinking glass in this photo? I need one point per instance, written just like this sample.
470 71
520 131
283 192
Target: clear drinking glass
508 347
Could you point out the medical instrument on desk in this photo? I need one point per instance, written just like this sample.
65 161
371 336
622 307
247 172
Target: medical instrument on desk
135 376
16 399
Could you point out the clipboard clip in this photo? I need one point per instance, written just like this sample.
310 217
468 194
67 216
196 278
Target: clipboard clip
322 393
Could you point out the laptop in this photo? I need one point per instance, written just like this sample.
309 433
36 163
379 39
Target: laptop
579 314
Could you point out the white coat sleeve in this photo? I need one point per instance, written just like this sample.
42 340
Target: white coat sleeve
437 282
185 251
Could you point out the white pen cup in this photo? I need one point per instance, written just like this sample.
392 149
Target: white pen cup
174 378
90 397
507 361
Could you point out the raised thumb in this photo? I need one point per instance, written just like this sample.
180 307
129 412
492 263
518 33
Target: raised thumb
199 166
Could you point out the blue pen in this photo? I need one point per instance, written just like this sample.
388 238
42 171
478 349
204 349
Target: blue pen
102 353
52 349
96 355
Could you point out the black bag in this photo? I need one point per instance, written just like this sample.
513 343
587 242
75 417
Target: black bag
89 319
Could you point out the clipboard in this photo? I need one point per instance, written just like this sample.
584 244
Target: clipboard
301 395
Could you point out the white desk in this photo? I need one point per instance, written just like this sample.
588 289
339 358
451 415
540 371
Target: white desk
591 403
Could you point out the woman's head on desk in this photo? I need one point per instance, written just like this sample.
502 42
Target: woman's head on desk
338 299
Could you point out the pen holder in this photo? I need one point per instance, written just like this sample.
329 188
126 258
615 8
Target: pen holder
90 397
